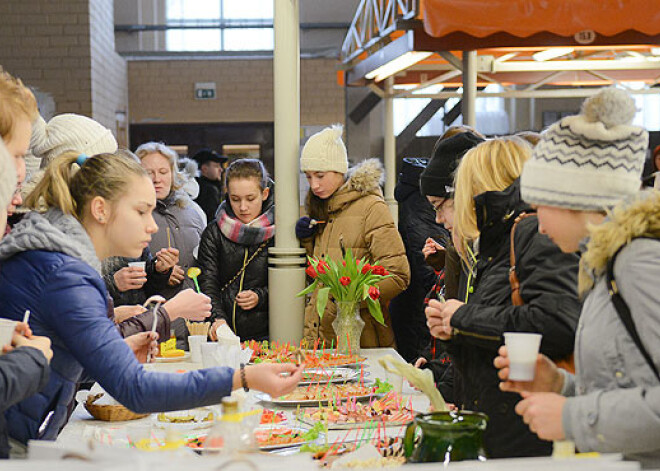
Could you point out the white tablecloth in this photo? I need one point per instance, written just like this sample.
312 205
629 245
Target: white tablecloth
76 436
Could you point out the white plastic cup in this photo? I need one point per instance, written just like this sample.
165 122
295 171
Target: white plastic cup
142 265
7 328
208 350
195 344
522 348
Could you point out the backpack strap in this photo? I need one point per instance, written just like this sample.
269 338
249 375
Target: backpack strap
623 311
516 299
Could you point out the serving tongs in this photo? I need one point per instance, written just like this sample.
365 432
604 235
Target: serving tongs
157 301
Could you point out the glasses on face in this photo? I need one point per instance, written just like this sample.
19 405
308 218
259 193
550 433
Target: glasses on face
441 205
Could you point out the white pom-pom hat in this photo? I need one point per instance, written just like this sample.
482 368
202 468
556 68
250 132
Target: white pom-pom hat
591 161
69 132
325 152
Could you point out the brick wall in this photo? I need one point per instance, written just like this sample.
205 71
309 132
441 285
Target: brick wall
162 91
49 46
46 44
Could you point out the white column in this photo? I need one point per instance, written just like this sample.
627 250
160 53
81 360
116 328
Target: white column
286 262
469 88
390 149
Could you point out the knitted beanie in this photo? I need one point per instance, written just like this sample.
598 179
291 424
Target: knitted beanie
437 179
69 132
590 161
7 177
325 152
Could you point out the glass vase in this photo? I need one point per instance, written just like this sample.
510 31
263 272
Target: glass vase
348 327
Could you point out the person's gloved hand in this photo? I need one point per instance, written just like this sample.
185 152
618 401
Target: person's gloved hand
304 228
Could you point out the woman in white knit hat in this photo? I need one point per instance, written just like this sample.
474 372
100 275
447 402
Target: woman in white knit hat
583 166
348 205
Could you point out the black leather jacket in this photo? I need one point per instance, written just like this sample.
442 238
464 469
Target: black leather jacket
548 280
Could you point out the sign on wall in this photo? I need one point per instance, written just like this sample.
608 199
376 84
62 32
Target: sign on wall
205 91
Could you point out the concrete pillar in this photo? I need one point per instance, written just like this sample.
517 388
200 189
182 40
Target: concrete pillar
390 149
286 261
469 88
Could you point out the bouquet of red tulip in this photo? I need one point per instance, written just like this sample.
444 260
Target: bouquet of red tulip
349 281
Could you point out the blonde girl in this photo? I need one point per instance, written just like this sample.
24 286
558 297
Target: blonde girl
486 204
99 206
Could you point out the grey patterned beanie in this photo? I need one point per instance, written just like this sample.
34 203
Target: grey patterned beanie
590 161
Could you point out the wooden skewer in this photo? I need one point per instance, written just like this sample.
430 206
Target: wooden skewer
169 245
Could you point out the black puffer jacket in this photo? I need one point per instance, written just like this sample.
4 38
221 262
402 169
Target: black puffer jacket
548 280
220 259
416 224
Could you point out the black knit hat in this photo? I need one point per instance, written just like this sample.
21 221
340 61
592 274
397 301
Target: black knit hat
206 155
437 179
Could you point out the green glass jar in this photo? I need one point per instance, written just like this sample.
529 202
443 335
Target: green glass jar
445 436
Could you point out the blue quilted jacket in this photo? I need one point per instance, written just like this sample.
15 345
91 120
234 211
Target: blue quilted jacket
68 303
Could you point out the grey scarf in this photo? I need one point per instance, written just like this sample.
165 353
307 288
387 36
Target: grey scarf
52 231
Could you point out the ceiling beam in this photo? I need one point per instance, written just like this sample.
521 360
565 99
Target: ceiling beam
440 78
542 82
365 106
596 64
555 93
404 139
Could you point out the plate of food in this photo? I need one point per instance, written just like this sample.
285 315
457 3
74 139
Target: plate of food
331 359
275 352
389 410
200 418
173 356
270 438
315 394
330 375
269 417
280 437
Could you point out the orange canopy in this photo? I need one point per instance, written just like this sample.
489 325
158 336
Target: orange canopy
618 20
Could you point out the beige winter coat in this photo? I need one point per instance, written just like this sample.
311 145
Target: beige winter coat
359 215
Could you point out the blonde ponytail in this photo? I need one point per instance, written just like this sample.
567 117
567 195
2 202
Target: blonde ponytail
70 187
53 190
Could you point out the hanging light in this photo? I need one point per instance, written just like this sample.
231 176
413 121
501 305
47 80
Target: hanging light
552 53
397 65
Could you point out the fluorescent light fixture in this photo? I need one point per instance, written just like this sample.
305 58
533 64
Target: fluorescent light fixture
431 89
396 65
552 53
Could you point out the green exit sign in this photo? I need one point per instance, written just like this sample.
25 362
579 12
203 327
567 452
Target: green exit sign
205 91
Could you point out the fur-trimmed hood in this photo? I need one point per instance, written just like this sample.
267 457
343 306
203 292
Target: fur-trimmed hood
637 217
365 178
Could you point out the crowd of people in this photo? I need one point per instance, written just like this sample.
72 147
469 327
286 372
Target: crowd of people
505 234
